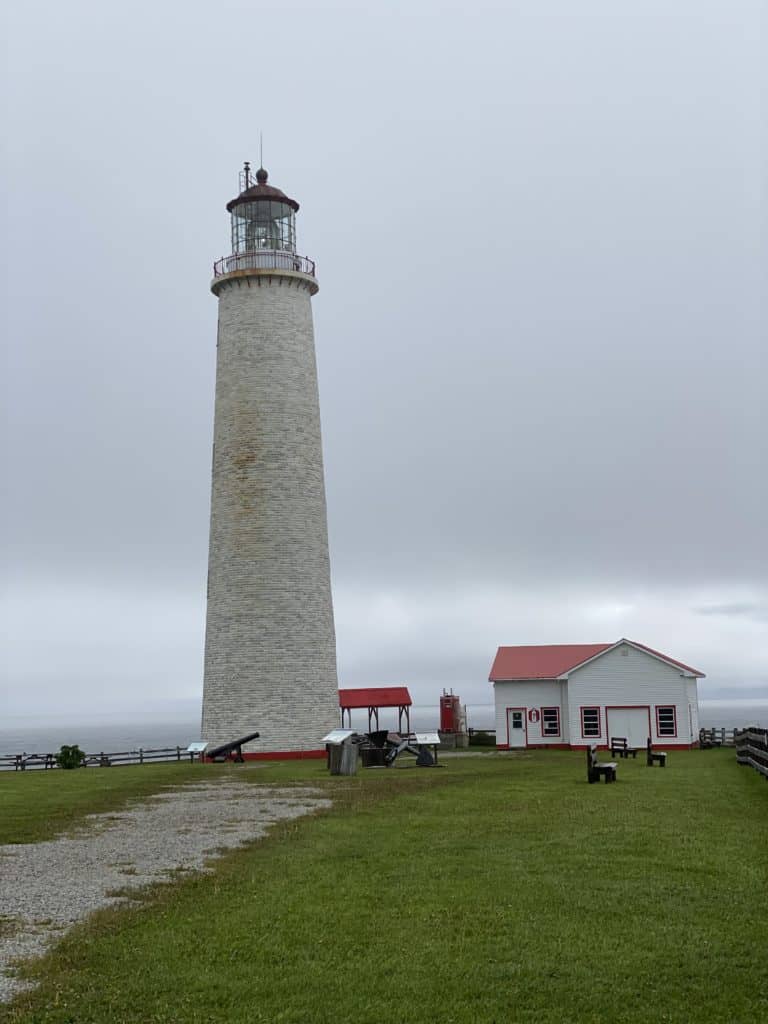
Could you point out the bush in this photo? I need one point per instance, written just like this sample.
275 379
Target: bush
481 738
70 757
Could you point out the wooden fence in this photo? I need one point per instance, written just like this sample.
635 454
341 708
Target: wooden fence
752 749
25 762
717 738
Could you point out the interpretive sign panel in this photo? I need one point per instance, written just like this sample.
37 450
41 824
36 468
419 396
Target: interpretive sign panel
338 735
427 738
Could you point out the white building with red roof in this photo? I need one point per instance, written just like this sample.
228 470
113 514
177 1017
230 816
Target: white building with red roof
571 695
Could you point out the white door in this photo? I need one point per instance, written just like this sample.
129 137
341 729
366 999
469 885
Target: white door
516 727
634 723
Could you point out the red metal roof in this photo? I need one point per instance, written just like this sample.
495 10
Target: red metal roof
260 190
548 661
541 662
375 697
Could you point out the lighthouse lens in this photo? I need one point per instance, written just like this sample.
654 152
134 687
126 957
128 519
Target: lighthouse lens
263 225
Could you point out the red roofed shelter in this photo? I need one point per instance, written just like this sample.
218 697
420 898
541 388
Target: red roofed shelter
572 695
373 698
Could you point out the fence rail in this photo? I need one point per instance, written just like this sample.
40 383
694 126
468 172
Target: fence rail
35 762
717 737
263 259
752 749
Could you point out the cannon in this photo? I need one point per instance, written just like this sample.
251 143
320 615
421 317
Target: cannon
233 750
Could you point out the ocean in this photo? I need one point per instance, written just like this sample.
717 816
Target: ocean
36 735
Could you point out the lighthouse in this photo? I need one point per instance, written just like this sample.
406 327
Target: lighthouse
270 648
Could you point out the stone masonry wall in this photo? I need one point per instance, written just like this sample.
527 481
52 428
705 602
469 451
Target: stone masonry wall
270 652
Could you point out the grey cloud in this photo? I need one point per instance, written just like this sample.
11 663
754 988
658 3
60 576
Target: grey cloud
738 609
539 327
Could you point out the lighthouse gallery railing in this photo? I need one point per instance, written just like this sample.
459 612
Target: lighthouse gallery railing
263 259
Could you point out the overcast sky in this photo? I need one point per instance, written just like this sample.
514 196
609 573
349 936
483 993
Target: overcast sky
539 234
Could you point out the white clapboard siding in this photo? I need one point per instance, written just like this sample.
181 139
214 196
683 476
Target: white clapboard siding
531 694
693 705
626 676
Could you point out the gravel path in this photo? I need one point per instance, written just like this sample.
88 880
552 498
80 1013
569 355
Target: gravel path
47 887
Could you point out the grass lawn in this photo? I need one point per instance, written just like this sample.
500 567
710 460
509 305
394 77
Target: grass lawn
36 805
494 889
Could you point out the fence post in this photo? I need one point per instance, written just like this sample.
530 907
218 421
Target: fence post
141 756
178 753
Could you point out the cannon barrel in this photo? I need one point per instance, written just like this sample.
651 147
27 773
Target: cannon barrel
227 748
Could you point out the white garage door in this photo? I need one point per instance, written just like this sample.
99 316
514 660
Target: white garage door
634 723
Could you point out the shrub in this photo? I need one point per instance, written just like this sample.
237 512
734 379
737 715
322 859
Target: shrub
70 757
481 738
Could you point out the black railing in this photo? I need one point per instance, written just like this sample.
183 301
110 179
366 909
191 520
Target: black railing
263 259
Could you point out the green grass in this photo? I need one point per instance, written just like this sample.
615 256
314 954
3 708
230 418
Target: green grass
495 889
36 805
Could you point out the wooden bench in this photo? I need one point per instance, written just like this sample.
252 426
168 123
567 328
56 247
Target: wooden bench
655 756
620 746
596 768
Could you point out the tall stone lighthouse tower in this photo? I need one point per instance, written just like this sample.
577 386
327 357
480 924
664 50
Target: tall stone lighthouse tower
270 649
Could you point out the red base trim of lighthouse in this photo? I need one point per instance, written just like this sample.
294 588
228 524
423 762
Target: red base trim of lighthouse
278 755
285 755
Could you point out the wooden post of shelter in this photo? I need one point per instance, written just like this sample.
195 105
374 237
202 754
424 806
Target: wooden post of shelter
373 713
404 709
373 699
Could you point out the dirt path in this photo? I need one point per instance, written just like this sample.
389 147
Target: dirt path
45 888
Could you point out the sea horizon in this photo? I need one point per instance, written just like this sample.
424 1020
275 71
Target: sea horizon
37 733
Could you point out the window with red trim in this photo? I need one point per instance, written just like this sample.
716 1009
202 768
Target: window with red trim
666 721
550 721
590 722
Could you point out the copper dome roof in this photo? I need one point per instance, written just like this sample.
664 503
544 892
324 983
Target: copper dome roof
261 190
